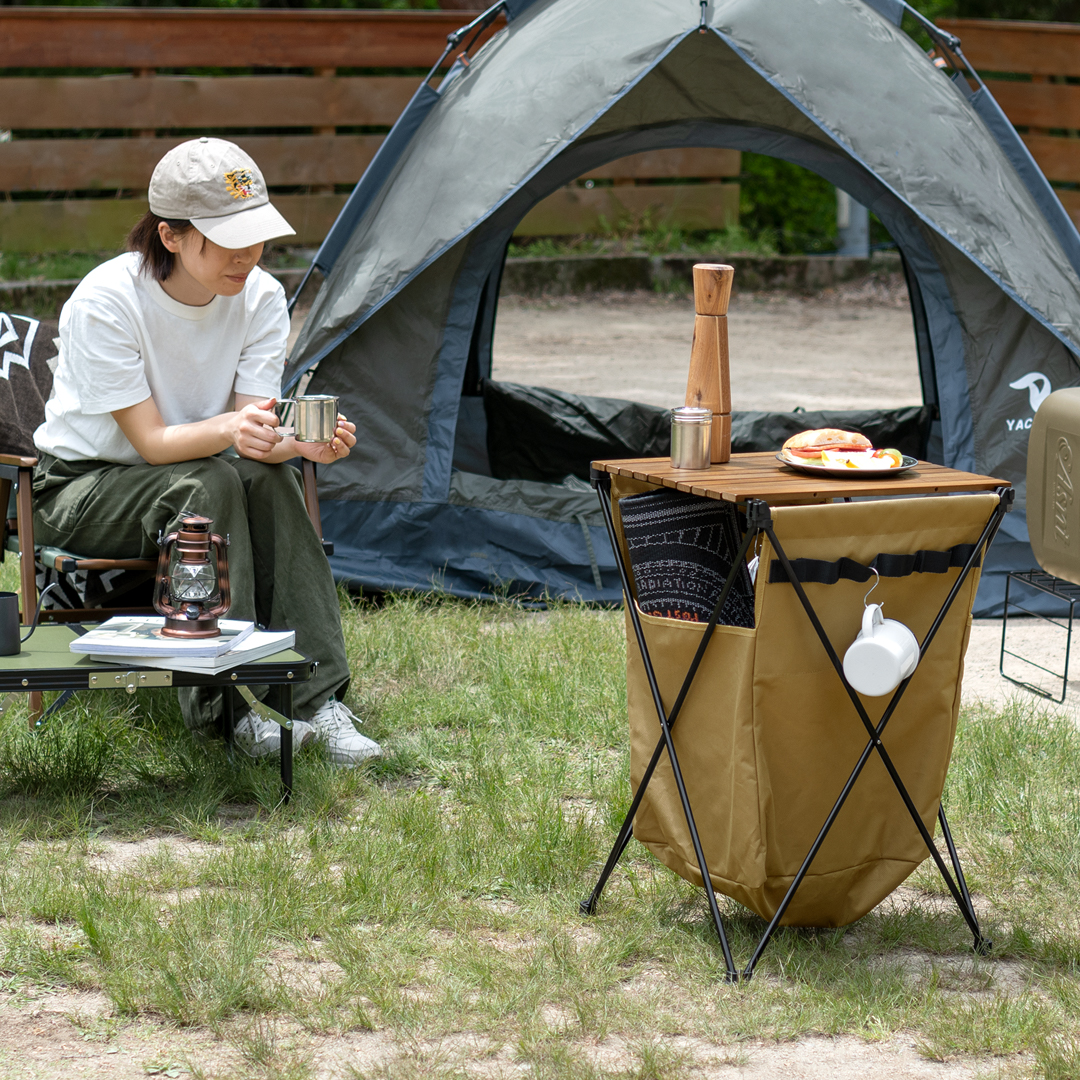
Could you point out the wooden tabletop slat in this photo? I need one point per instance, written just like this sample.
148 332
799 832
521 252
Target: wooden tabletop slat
761 476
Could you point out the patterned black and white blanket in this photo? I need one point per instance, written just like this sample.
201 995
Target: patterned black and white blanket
681 551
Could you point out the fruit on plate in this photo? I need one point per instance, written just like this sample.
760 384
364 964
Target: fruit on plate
863 459
837 448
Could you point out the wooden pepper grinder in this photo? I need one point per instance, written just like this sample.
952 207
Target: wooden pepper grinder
709 383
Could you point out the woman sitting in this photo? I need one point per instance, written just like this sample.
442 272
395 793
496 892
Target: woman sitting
163 404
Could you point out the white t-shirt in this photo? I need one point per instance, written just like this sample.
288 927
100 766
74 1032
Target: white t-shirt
124 339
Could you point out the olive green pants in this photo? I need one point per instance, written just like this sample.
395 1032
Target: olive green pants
278 574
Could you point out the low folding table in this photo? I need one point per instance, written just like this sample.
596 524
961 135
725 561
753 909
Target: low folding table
46 663
772 734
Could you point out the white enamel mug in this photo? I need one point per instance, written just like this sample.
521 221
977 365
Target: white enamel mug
884 654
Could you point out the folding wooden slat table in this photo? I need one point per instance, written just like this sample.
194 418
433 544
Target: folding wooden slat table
46 663
757 483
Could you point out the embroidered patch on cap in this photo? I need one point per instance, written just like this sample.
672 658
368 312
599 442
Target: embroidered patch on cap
240 183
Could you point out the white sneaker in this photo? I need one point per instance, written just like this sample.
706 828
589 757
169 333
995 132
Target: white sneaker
335 726
258 737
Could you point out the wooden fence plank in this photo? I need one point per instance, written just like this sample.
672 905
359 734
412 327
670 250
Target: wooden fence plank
68 224
1028 48
278 101
72 37
1046 105
125 164
573 210
286 160
697 162
1058 158
310 215
1071 201
102 224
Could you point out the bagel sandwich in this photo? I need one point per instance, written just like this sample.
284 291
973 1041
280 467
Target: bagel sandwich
839 448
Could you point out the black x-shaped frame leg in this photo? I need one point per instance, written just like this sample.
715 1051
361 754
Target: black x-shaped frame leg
759 520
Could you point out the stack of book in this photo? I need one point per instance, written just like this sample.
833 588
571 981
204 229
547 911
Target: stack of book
137 640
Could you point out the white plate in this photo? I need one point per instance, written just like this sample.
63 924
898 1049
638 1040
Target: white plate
842 472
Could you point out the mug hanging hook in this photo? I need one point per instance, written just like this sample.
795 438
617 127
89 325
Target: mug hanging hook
877 582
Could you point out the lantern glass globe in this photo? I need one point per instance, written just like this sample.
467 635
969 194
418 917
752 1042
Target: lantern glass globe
192 582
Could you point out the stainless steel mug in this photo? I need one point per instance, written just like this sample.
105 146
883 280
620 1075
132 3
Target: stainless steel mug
314 417
691 433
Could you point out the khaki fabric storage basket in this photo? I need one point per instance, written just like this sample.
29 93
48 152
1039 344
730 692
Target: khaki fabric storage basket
767 736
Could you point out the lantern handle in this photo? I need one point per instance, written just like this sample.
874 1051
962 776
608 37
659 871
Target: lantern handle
161 600
223 604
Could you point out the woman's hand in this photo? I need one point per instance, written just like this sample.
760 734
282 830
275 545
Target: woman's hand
252 429
327 453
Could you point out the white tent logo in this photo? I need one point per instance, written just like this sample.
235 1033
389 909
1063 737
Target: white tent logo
8 334
1036 384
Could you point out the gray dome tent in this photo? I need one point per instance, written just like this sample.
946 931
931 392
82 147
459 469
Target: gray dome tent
401 326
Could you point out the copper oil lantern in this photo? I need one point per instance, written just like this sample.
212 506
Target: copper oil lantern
192 589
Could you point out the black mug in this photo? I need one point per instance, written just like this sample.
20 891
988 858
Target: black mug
9 624
10 639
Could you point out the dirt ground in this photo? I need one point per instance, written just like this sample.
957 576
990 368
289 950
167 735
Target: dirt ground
67 1034
852 347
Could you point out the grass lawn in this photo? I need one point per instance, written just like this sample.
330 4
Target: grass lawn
419 916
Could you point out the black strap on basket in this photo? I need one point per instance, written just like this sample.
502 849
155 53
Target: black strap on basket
819 572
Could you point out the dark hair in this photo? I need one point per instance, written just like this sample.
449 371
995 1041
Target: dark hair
154 257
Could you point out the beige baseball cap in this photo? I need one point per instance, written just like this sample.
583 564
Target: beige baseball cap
218 188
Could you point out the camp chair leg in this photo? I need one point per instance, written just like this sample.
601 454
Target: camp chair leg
37 709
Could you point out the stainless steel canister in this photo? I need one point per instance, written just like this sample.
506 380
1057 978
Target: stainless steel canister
691 431
314 417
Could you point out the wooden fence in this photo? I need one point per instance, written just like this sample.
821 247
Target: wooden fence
77 147
1032 68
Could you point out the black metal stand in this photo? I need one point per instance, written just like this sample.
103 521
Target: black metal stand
759 520
1048 585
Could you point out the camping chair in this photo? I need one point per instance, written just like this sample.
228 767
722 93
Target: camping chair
90 589
768 790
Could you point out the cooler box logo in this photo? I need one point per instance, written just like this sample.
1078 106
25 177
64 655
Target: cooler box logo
1062 497
240 183
1038 387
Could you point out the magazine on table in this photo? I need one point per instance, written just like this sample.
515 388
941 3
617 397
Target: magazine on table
255 646
140 635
